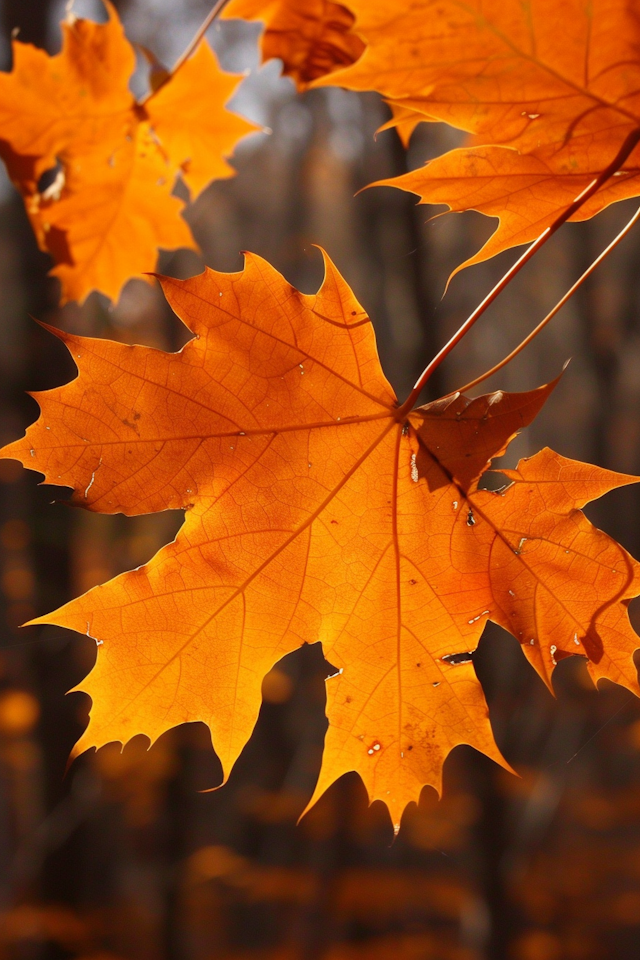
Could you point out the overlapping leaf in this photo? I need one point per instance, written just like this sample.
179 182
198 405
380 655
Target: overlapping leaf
550 91
317 510
311 37
111 205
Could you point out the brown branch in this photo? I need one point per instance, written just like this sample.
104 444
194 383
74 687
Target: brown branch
213 15
623 153
559 305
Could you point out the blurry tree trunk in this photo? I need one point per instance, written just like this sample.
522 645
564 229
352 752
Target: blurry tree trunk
31 366
29 17
417 261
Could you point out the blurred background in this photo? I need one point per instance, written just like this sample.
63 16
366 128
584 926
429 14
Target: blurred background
123 857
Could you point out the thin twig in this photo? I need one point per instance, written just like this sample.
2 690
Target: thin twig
559 305
213 15
625 150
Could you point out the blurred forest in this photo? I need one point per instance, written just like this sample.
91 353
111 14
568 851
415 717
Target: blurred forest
124 857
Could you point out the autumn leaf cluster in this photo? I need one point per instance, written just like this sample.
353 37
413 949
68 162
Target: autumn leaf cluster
548 92
319 508
113 160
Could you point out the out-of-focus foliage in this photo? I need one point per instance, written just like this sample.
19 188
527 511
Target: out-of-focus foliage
311 37
113 160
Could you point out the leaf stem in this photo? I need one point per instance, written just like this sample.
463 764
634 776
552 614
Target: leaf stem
559 305
623 153
213 15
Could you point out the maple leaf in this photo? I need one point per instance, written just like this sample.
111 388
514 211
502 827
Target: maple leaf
550 92
319 510
312 37
110 206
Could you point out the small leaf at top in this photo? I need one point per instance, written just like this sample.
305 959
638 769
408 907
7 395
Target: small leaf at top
550 91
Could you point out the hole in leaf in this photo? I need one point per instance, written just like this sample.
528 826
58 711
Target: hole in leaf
457 658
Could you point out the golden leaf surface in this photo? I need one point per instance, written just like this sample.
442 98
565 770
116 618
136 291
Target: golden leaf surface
550 91
311 37
317 510
110 206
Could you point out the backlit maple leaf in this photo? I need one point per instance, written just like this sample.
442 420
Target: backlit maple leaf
110 206
550 91
311 37
319 510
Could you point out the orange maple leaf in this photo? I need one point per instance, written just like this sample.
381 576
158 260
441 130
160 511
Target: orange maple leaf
549 90
111 206
319 510
311 37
